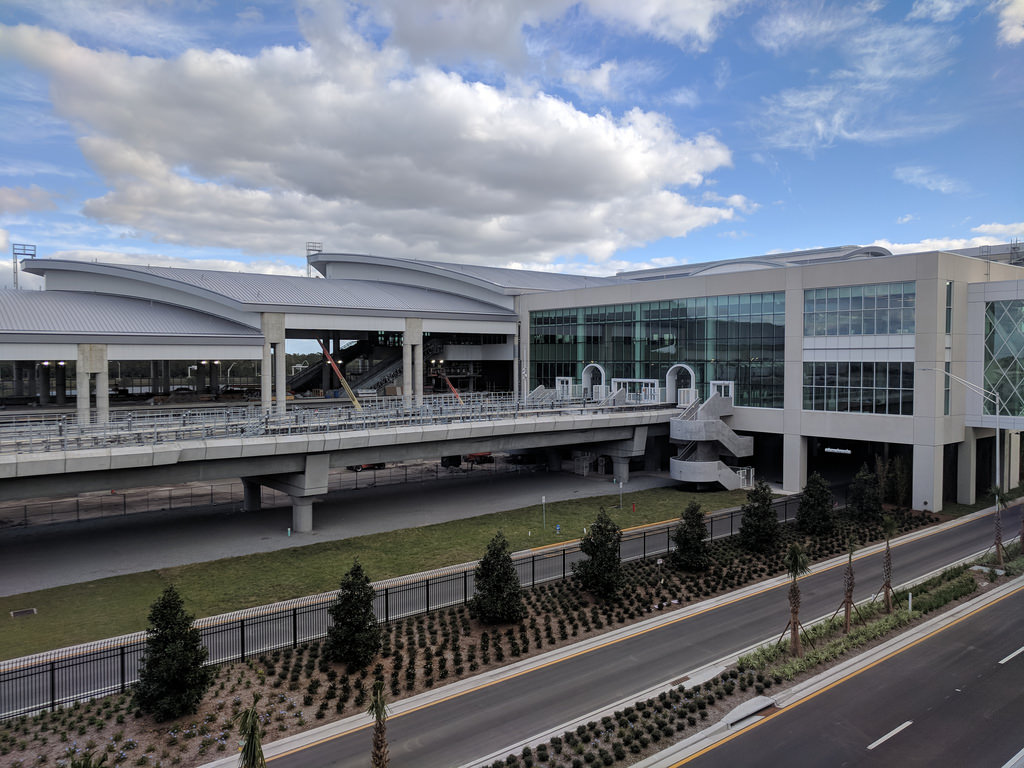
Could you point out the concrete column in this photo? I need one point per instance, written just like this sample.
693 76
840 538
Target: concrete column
43 383
102 397
18 375
620 469
281 378
82 382
325 372
165 377
32 373
201 376
794 463
554 458
214 378
252 498
406 373
266 379
417 372
1012 460
61 386
967 467
927 492
302 514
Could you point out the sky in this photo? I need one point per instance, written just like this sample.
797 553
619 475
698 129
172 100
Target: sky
587 137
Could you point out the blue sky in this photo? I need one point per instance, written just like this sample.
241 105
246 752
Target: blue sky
587 137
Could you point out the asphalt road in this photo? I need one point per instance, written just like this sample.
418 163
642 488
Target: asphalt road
953 699
462 728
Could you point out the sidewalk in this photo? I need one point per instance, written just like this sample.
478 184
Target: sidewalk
40 557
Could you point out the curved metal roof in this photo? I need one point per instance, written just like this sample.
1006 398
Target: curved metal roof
261 292
72 314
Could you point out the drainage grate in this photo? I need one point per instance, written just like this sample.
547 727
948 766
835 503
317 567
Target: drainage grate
23 612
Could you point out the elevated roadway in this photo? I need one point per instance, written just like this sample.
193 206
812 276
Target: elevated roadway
294 452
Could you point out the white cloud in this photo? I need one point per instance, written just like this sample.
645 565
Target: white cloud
250 15
596 81
1011 21
683 97
343 141
937 244
905 218
791 26
938 10
113 23
1001 230
927 178
20 199
861 101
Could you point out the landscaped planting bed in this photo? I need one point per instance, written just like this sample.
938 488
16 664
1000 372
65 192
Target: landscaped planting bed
300 689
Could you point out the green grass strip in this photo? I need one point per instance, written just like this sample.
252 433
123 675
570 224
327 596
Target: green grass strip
118 605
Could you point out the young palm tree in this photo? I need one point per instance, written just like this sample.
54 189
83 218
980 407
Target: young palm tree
378 709
249 729
848 584
889 530
796 562
999 537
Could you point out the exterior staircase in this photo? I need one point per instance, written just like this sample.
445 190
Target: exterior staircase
702 438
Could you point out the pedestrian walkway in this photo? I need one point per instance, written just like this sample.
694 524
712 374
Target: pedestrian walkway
41 557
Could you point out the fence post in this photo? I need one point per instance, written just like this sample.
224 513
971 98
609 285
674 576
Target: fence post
426 587
124 683
53 685
533 570
241 638
387 606
563 562
644 548
295 627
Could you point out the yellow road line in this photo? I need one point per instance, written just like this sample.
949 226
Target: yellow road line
843 679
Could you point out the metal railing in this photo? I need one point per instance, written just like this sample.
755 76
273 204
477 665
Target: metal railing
63 432
47 680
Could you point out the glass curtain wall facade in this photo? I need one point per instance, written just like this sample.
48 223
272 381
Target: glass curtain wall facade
860 310
860 386
736 338
1004 355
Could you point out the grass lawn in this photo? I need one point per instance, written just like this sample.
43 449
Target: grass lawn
105 608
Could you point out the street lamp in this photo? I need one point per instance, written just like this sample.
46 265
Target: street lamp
992 397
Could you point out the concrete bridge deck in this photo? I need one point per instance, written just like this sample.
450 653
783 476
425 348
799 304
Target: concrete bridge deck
293 452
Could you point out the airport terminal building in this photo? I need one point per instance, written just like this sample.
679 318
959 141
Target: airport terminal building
827 358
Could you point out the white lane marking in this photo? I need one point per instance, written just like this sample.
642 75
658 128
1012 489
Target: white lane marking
1016 761
1018 651
890 734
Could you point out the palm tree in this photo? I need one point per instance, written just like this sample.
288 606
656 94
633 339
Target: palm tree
889 530
378 709
848 584
249 729
796 562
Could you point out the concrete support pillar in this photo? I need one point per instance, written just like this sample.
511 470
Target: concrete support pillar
417 372
43 383
82 383
620 469
302 514
554 458
1012 460
32 373
165 377
202 380
927 493
252 497
61 386
325 371
102 396
280 379
794 463
266 379
214 377
967 467
407 373
19 376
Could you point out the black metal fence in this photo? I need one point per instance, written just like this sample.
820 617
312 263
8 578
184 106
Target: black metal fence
48 680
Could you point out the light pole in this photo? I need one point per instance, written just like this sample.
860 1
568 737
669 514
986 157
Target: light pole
992 397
